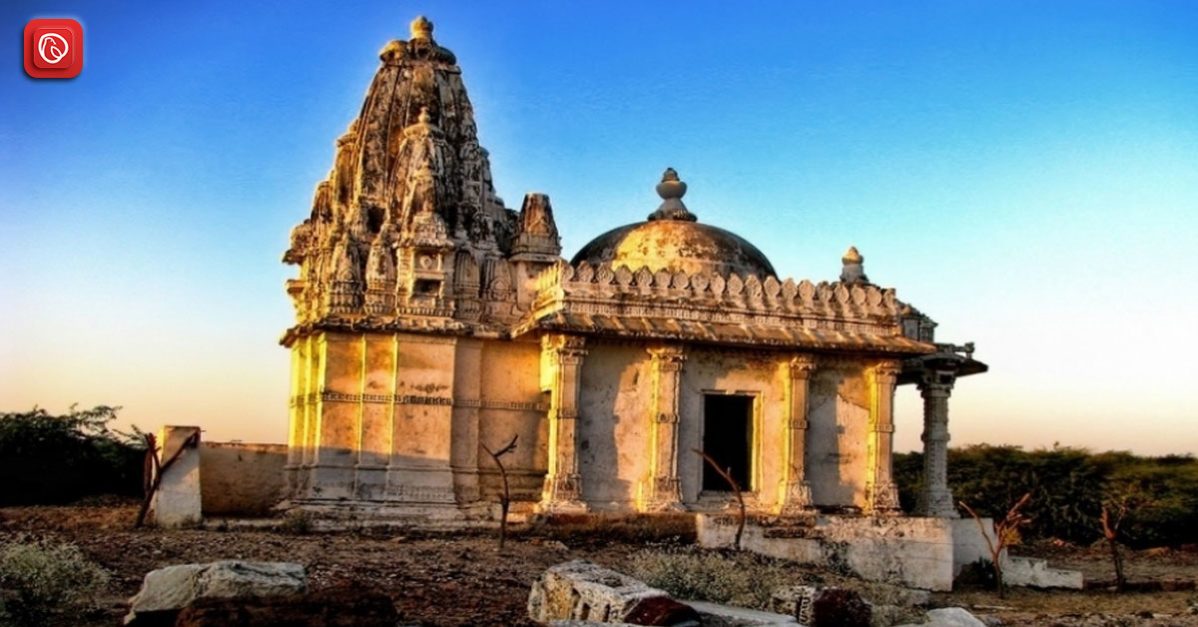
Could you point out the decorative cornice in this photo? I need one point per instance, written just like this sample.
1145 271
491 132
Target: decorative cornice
329 396
475 403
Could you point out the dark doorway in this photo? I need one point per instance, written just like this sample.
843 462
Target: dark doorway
727 438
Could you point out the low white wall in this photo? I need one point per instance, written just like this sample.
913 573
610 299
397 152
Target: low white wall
913 552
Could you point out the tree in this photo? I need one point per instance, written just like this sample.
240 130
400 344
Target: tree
1006 533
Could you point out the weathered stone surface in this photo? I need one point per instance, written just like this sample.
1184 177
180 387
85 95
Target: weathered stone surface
716 615
344 606
580 590
177 501
1036 573
912 552
170 589
949 617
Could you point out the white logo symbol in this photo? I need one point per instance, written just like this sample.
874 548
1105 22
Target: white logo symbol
52 47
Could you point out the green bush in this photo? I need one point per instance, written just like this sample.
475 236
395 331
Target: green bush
48 460
40 578
741 579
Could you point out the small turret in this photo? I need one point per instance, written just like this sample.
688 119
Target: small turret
853 271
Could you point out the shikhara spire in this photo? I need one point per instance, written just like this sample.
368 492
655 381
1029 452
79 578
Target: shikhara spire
410 203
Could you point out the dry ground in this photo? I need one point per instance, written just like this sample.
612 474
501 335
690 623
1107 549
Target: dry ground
461 579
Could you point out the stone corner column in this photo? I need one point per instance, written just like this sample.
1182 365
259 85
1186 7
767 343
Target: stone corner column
795 490
665 493
881 491
935 499
177 501
562 357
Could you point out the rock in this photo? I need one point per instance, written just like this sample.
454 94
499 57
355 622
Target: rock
818 607
840 607
716 615
342 606
1036 573
580 590
950 617
662 611
585 623
166 591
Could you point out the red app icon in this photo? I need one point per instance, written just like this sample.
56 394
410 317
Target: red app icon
53 48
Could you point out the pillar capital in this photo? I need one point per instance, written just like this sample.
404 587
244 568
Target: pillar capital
887 372
564 345
936 383
801 366
667 357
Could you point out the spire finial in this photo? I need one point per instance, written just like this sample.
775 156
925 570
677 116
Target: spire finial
672 189
422 28
854 268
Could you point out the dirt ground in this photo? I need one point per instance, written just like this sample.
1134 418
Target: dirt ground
462 579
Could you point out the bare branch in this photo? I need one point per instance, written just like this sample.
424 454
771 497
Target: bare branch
740 499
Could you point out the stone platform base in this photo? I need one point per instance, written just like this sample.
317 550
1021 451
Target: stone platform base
922 553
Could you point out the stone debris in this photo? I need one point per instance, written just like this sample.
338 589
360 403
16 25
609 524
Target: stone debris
166 591
580 590
1036 573
716 615
342 606
949 617
819 607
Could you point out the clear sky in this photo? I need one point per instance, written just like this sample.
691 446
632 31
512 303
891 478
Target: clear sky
1024 172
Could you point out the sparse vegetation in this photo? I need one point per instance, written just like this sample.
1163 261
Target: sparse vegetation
735 578
41 579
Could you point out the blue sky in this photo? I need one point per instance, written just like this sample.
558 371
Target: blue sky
1027 173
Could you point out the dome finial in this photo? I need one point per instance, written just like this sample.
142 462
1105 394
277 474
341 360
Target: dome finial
854 267
422 28
672 189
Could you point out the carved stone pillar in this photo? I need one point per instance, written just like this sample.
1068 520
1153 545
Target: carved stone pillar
561 363
935 499
880 488
796 492
666 490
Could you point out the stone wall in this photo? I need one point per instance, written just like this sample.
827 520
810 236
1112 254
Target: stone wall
241 479
913 552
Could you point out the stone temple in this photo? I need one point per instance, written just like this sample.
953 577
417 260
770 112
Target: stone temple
432 320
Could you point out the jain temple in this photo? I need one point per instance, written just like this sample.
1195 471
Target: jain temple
432 320
433 323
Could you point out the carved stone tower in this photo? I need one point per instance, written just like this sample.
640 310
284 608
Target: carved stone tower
407 245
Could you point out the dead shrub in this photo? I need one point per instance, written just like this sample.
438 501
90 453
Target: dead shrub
297 522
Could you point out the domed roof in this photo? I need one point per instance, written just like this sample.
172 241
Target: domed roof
672 239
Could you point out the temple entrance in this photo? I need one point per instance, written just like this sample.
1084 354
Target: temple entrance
727 438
